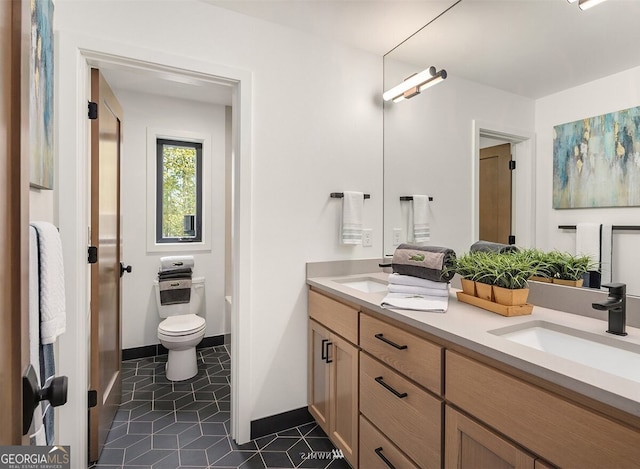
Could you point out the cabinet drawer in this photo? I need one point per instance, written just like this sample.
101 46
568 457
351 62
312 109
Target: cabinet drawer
412 422
375 448
409 354
559 431
338 317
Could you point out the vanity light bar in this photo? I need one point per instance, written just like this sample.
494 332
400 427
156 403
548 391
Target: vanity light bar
586 4
414 84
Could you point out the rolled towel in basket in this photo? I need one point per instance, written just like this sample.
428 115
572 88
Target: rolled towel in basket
429 262
488 246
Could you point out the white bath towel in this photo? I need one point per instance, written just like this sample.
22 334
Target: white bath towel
606 252
399 279
52 294
413 290
37 431
421 230
588 240
434 304
176 262
352 210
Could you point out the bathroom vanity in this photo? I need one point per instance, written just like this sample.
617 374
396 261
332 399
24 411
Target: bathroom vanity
463 389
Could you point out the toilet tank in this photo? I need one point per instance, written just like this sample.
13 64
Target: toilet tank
195 306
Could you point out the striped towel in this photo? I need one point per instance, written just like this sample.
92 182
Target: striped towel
352 208
421 230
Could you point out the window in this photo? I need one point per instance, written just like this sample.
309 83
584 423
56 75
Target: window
178 191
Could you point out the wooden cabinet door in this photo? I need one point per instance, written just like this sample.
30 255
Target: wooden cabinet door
469 445
343 421
319 374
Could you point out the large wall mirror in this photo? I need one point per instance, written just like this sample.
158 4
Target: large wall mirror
516 69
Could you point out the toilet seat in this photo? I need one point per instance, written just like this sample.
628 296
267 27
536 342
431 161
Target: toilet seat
184 324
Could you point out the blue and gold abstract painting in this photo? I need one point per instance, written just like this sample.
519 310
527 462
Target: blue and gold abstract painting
596 161
41 94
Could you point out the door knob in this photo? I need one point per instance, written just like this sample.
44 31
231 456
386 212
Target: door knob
55 392
125 268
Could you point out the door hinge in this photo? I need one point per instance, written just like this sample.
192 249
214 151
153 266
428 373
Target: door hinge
92 256
92 398
512 239
512 164
93 110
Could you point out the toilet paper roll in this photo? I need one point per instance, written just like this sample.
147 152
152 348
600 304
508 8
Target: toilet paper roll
176 262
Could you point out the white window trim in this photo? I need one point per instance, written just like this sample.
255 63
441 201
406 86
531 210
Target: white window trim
154 133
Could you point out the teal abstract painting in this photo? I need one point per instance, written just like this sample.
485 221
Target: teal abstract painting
596 161
41 94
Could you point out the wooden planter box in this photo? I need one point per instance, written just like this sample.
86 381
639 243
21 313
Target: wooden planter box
468 286
568 283
519 310
484 291
535 278
507 297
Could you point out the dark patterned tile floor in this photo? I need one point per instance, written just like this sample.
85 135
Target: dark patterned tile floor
185 425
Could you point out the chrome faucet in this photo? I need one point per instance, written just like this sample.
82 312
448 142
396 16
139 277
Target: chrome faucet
616 305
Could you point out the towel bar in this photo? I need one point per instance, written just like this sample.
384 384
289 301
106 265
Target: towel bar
340 195
614 227
404 198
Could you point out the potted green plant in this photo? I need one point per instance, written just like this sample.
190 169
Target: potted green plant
513 270
485 273
465 267
542 263
569 269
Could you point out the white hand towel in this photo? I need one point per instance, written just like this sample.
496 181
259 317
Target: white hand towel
411 289
588 240
434 304
399 279
606 252
52 295
37 431
352 209
421 230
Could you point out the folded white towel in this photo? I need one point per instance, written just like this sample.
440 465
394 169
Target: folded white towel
421 230
435 304
176 262
588 240
399 279
52 295
410 289
352 209
36 432
606 252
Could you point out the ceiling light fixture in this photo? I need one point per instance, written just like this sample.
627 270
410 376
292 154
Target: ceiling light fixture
415 84
586 4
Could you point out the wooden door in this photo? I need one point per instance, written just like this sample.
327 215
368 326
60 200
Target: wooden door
319 375
106 347
495 193
343 417
469 445
14 218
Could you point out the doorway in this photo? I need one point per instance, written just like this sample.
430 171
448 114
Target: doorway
495 192
523 207
77 55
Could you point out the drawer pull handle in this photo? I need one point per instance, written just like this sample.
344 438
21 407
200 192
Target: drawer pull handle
380 380
327 359
383 457
324 351
387 341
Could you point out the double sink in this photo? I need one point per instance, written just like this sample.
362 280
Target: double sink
605 353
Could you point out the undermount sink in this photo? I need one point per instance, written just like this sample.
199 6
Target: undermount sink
607 354
364 284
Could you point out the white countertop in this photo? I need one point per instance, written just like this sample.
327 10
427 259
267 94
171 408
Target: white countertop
469 326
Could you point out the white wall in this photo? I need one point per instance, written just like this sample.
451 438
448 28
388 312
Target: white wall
443 165
142 111
317 128
610 94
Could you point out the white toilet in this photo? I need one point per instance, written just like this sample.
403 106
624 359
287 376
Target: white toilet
181 331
